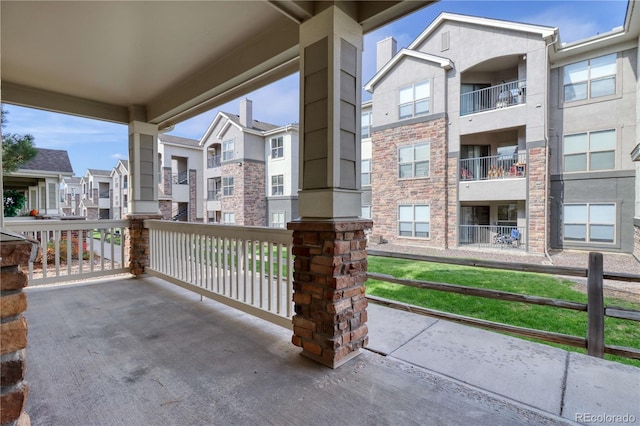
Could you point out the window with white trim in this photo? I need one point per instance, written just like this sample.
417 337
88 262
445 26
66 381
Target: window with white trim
589 222
590 79
413 220
414 100
277 220
277 147
277 185
366 212
365 172
413 161
590 151
228 217
227 186
366 124
227 150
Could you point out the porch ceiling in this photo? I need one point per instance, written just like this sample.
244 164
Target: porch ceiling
172 60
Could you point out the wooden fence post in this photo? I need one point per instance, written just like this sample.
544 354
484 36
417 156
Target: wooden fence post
595 309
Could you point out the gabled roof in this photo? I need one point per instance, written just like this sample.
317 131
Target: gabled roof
257 127
49 160
177 140
98 172
543 31
73 180
444 63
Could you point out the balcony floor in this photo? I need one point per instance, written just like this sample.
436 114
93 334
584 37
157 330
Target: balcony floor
144 352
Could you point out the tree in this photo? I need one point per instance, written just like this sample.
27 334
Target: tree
13 201
16 149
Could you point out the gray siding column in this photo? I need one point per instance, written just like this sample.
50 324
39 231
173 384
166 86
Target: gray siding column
143 168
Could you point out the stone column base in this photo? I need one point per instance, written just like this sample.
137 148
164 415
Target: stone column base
137 242
330 270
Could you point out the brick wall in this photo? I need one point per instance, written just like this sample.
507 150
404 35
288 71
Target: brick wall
165 209
167 181
255 201
235 202
452 203
193 194
636 242
537 174
13 331
388 192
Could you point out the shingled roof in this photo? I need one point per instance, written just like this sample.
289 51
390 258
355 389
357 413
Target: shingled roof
179 141
98 172
49 160
256 125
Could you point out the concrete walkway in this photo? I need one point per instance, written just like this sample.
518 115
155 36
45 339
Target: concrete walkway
145 352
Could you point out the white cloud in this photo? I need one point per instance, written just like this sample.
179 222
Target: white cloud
118 156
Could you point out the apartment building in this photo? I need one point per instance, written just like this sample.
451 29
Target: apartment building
120 191
70 192
492 134
250 170
95 202
181 192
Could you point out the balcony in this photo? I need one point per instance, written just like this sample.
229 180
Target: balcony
181 178
198 361
496 177
213 161
495 97
493 237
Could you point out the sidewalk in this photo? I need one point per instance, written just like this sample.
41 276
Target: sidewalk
567 384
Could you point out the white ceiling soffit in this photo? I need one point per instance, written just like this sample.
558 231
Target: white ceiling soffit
158 61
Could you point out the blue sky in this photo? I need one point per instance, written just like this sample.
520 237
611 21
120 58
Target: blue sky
94 144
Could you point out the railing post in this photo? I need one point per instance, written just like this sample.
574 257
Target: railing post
595 306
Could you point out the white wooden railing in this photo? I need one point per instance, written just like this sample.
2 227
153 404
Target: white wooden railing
73 250
248 268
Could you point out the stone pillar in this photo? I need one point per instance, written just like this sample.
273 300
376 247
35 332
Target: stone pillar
13 330
536 176
137 242
329 241
329 294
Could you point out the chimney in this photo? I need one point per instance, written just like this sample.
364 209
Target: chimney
246 113
386 49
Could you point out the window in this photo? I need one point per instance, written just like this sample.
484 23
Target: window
366 124
590 79
277 220
277 147
125 181
413 220
228 217
414 100
366 212
227 150
227 186
593 223
277 185
365 172
413 161
590 151
507 215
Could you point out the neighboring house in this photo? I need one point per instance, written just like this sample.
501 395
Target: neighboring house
250 170
120 189
366 159
96 194
180 181
70 191
490 133
40 180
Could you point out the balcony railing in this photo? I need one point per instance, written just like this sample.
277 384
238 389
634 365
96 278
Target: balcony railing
75 249
494 97
215 195
493 236
104 194
494 167
181 178
248 268
213 161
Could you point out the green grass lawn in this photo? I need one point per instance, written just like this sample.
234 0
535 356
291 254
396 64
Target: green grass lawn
617 332
117 240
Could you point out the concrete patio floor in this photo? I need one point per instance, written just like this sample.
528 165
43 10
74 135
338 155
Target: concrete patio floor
145 352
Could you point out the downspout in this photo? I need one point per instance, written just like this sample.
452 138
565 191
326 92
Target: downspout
546 144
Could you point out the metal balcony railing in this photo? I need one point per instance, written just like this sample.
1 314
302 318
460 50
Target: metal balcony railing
213 161
494 97
181 178
215 195
104 194
493 236
494 167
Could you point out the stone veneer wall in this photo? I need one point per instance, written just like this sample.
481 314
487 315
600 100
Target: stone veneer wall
137 242
165 209
636 239
537 173
167 181
233 203
330 270
388 192
452 203
13 332
255 200
193 194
